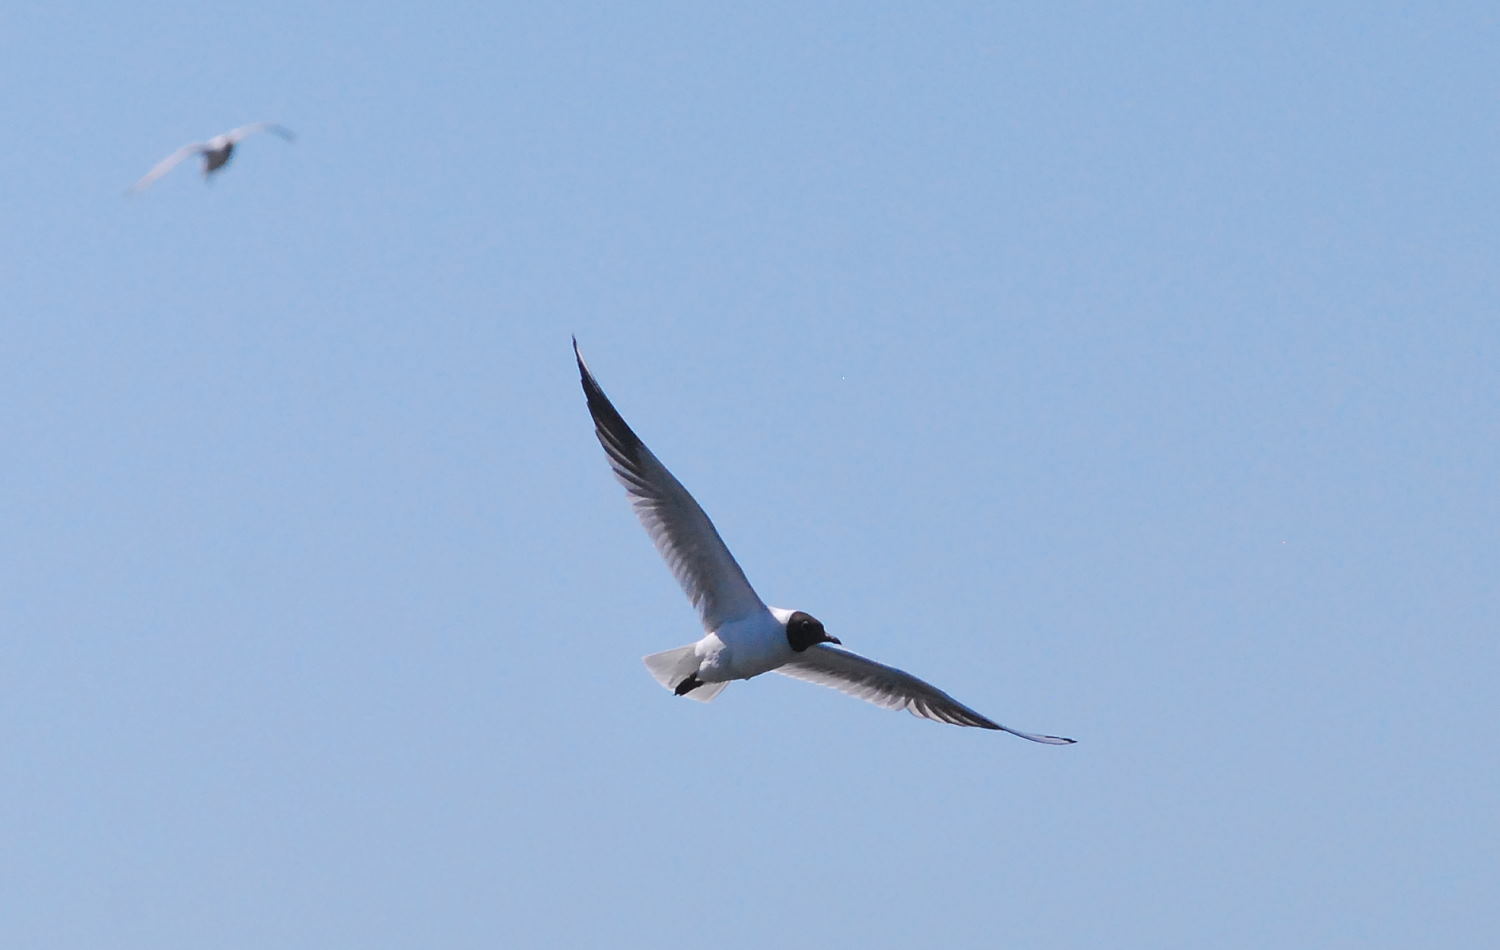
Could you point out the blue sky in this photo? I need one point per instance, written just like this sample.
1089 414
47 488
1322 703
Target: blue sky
1128 371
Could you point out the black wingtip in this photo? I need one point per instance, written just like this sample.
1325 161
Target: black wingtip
590 385
583 368
1052 740
614 433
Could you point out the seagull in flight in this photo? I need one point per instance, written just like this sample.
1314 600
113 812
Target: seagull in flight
745 638
216 151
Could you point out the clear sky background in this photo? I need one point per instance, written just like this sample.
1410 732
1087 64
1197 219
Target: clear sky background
1128 371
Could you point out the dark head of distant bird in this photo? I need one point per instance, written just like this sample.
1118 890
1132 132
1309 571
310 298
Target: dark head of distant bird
804 630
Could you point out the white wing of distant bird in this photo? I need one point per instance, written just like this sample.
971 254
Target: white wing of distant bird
216 151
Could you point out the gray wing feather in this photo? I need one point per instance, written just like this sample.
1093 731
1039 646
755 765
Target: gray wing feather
683 534
236 135
891 688
167 164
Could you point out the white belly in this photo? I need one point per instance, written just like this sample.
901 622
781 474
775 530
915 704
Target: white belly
743 648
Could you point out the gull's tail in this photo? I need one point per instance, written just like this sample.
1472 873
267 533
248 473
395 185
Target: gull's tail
671 667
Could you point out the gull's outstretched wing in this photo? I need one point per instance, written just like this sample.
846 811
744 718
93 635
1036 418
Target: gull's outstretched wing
683 534
236 135
166 165
892 688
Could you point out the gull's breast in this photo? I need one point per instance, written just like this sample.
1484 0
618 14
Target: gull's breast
752 645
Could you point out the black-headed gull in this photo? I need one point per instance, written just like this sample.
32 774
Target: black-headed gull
216 151
745 637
